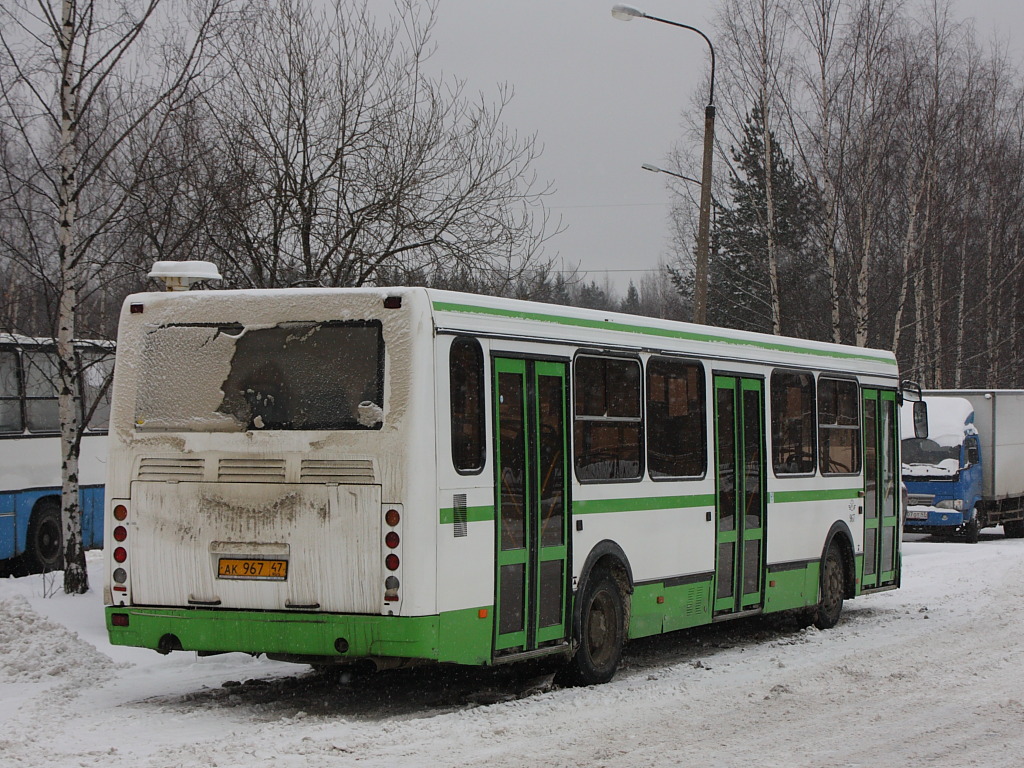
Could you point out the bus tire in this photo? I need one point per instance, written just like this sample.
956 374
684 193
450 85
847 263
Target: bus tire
1013 529
44 546
602 632
833 588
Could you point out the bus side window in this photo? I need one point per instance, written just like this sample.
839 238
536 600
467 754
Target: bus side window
676 418
839 426
41 379
10 392
608 425
97 368
466 379
792 423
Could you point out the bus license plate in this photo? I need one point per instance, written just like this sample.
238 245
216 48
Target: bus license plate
917 514
251 568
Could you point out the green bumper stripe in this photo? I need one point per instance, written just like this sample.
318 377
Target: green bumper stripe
783 497
457 636
443 306
473 515
604 506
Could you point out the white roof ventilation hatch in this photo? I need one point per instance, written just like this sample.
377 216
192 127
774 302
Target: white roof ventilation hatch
179 275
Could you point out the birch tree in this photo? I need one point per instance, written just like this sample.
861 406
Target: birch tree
755 58
80 78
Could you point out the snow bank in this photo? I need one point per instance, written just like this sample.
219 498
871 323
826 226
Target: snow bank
33 648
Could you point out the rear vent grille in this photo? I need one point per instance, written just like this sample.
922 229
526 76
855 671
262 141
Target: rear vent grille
185 470
459 514
346 471
251 471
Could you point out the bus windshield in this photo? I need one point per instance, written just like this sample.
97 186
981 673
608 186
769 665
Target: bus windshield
229 378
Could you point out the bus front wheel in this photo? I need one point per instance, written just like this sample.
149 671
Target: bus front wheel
833 588
602 632
44 546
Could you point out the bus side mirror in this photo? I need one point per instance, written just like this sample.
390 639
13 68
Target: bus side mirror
920 419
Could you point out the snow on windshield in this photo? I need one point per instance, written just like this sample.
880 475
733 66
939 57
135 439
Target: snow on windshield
217 378
949 419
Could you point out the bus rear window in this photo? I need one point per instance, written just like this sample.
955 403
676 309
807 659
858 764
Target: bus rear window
297 376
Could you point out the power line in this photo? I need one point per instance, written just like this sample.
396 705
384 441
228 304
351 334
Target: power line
608 205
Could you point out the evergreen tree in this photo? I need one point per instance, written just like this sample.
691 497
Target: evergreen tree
631 303
739 291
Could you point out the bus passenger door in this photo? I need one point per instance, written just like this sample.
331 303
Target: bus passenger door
881 511
740 501
531 504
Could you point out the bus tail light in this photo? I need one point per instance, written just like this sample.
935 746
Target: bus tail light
120 554
120 533
120 512
391 551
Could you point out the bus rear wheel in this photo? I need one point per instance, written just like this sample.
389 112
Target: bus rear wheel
45 543
833 589
602 632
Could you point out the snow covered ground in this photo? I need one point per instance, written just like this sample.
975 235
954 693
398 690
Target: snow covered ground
930 675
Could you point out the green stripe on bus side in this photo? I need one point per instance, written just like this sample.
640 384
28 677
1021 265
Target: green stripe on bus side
783 497
443 306
605 506
473 514
596 507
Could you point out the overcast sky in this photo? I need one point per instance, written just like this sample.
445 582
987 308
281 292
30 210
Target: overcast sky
605 96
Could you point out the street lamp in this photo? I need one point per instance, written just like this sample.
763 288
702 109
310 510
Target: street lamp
656 169
700 293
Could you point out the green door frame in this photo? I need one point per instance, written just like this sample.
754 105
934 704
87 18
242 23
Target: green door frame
740 467
882 528
531 503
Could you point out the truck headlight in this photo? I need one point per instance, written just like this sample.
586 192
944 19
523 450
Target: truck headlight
957 504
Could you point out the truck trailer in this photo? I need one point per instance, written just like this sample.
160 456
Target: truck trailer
968 473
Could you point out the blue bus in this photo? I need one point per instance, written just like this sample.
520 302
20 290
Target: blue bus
31 535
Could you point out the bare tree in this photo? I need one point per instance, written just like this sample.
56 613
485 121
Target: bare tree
326 154
80 78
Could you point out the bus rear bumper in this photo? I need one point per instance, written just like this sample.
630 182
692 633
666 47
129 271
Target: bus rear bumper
458 636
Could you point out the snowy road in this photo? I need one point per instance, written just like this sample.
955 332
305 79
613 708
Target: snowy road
932 674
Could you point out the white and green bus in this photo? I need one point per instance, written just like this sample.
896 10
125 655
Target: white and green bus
325 475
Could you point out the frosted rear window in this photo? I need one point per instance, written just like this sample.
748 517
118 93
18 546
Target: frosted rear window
293 376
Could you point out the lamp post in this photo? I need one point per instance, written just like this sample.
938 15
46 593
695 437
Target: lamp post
657 169
700 291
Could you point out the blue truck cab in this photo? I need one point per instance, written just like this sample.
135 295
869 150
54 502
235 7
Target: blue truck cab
944 471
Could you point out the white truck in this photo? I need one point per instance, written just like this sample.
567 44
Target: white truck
968 474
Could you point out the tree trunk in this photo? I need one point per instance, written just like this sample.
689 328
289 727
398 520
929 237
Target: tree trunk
76 578
958 367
